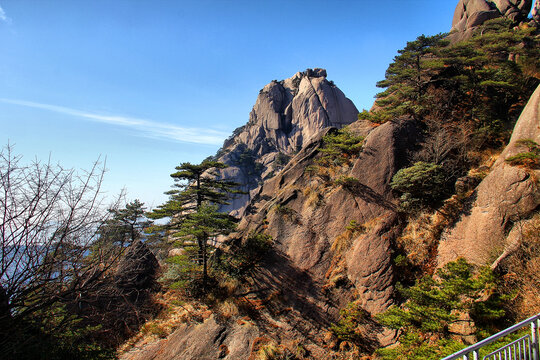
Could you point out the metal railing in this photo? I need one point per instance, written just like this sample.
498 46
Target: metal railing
524 348
517 349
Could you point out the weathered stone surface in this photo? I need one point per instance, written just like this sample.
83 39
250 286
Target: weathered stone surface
466 183
536 11
286 115
480 17
304 234
472 13
207 341
506 196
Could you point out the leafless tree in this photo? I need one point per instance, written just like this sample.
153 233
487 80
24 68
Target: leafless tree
49 217
446 144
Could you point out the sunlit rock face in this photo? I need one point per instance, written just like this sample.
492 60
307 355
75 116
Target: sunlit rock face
536 11
286 115
506 197
472 13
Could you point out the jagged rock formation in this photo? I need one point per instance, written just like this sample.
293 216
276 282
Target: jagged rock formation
506 197
471 13
286 115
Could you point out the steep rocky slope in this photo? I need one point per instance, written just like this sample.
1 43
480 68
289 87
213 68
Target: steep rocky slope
286 115
336 227
309 275
318 264
305 214
502 201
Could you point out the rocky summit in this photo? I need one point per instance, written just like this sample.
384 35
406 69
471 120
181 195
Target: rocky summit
285 117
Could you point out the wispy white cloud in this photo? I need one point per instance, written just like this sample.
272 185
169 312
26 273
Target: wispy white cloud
3 16
143 127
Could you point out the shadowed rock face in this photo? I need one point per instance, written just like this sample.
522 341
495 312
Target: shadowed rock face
286 115
502 200
138 268
305 232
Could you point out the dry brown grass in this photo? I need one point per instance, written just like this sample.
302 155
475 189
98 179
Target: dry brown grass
523 271
176 312
420 237
313 195
343 242
228 309
417 238
337 272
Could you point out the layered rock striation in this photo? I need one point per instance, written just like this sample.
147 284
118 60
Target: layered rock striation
286 115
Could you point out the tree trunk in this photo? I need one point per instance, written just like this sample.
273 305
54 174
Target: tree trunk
205 267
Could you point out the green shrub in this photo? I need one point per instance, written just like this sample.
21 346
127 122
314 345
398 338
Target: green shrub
354 226
421 185
529 159
339 146
350 319
241 258
53 333
435 303
348 183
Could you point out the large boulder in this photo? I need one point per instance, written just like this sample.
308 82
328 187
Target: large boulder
503 199
472 13
208 340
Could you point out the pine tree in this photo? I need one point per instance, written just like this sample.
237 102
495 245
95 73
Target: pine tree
126 225
193 208
407 78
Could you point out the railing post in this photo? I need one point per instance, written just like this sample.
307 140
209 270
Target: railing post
476 353
466 357
534 337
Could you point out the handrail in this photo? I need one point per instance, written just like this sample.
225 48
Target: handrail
475 347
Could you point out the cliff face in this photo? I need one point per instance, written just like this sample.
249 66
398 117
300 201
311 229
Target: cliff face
286 115
500 204
306 215
335 230
470 14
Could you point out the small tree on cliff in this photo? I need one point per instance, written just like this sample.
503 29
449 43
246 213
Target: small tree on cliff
192 208
408 77
126 225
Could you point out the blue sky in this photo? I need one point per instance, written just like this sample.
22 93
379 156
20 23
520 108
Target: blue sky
151 84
